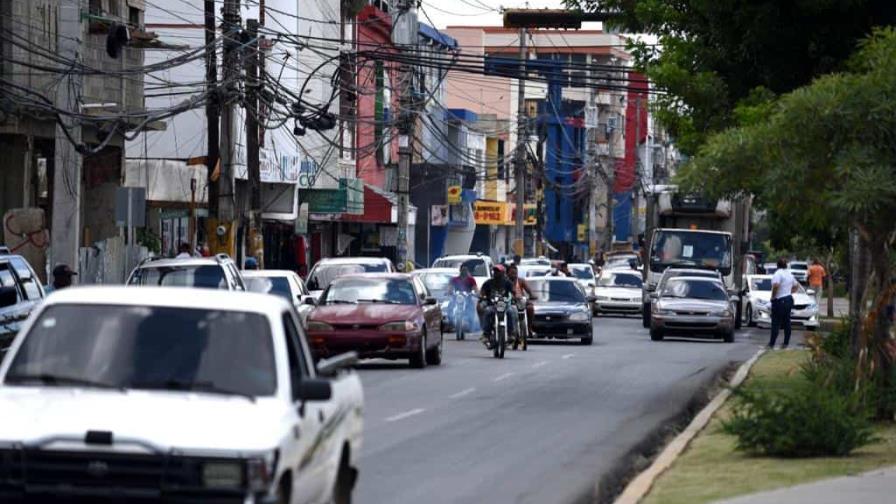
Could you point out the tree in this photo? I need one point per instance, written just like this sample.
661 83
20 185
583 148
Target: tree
713 55
823 157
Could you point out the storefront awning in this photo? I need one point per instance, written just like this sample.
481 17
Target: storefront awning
380 207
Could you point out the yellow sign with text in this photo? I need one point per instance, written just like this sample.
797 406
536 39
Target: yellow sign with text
491 212
454 195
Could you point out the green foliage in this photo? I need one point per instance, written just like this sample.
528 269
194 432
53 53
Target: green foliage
716 53
150 240
805 421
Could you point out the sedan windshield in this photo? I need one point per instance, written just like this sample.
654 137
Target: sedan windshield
583 273
689 249
278 286
557 291
629 280
206 276
694 289
370 290
324 274
141 347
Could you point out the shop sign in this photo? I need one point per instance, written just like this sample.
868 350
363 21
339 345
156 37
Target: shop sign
454 195
530 217
491 212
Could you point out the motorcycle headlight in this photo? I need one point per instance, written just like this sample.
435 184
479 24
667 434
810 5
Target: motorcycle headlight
314 325
400 326
580 317
221 474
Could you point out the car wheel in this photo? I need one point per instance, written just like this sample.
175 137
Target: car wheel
738 315
345 483
656 334
728 337
283 490
434 355
418 360
750 321
645 315
589 340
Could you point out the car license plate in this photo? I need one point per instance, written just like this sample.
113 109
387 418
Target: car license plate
547 318
569 331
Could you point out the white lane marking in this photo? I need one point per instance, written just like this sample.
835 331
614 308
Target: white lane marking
406 414
503 377
539 364
462 393
568 356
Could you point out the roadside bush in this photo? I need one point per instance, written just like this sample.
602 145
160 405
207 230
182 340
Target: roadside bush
805 421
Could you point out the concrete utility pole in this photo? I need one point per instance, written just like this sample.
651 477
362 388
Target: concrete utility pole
66 218
520 153
254 241
211 108
231 72
404 34
639 174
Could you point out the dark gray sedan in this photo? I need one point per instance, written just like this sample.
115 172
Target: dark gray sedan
562 310
691 306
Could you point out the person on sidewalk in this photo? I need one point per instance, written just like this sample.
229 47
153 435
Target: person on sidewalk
784 285
183 251
62 278
816 279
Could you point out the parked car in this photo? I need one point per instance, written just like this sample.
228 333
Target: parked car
799 270
668 274
757 304
216 272
438 284
480 265
378 315
622 260
163 393
327 270
618 292
20 293
692 307
770 268
562 309
284 283
535 261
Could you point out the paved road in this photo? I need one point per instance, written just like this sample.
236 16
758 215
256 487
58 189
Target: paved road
537 427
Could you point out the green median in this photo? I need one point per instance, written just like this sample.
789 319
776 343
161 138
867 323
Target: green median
712 468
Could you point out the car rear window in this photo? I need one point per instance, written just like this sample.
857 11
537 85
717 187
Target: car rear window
206 276
278 286
144 347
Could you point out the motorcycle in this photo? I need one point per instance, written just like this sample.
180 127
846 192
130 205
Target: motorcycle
522 338
461 314
498 341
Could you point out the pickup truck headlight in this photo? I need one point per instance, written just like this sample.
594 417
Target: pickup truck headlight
400 326
580 317
222 474
260 472
314 325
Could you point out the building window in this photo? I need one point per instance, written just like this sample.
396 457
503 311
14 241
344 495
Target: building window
134 16
95 7
115 8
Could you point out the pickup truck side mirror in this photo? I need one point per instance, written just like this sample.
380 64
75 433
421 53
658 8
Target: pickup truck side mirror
332 366
430 301
311 389
309 301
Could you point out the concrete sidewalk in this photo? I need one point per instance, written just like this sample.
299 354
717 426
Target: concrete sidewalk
868 488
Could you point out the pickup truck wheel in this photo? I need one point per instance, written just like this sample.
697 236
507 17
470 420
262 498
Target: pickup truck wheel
418 360
434 355
345 483
283 490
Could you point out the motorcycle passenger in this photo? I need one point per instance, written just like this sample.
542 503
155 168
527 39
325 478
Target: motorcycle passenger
463 283
498 285
520 286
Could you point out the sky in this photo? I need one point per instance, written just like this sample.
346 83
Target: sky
445 13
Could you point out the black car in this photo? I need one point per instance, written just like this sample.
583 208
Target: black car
562 310
20 292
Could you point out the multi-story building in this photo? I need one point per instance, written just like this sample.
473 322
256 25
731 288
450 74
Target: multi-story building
33 77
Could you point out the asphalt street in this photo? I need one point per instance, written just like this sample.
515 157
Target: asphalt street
540 426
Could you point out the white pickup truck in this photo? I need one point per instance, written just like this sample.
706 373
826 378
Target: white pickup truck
163 394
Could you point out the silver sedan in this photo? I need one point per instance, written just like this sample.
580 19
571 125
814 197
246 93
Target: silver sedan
690 306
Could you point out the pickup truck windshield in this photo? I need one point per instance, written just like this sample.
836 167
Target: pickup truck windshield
681 248
150 348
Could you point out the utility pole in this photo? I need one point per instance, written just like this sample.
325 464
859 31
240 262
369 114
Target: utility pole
404 34
639 174
66 208
230 74
212 118
591 121
519 156
254 241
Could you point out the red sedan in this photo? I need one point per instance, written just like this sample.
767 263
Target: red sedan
387 315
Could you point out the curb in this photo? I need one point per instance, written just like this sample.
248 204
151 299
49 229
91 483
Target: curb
643 482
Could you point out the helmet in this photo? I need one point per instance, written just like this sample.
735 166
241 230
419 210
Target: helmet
498 267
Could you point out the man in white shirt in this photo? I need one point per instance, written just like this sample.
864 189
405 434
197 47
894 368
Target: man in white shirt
183 251
784 285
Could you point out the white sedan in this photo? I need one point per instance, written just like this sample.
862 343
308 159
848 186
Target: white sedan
283 283
758 308
618 291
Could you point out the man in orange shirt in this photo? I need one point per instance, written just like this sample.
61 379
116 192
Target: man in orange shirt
816 279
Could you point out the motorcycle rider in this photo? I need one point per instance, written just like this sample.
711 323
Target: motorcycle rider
498 285
463 283
520 286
